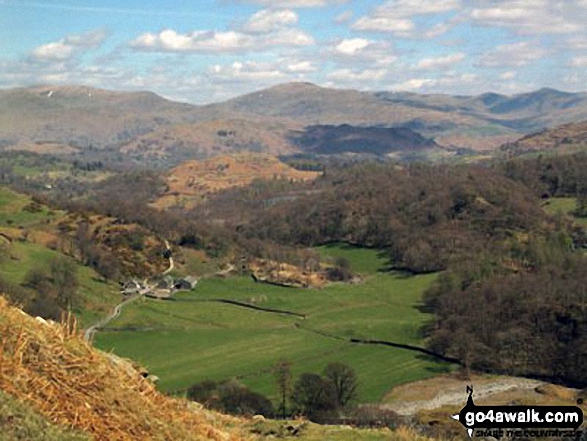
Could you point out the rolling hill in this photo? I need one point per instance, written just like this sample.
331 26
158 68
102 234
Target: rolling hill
192 181
144 127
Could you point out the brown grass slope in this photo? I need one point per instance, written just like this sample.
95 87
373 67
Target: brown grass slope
81 116
217 136
55 119
53 369
56 386
193 181
568 137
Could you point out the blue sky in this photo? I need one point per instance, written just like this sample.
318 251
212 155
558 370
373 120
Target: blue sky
209 50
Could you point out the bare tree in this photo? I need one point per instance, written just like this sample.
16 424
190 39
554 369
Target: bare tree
344 381
283 378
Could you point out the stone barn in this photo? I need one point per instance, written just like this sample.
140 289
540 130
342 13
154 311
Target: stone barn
186 283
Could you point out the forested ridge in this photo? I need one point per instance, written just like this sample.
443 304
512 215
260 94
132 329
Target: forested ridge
512 297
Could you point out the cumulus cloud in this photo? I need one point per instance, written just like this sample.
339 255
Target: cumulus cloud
441 62
68 47
413 84
361 51
397 16
247 71
579 61
512 55
509 75
352 46
300 67
268 20
264 29
349 75
169 40
531 16
293 3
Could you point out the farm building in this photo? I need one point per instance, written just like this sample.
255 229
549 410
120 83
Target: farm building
186 283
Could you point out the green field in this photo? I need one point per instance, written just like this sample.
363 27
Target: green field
13 212
97 296
191 340
566 206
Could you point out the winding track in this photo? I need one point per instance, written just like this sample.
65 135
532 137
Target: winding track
89 333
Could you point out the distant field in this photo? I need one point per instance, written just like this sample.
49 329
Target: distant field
190 340
565 206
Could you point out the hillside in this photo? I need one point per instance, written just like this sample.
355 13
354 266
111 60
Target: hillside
80 116
482 121
193 181
565 138
219 136
349 139
145 128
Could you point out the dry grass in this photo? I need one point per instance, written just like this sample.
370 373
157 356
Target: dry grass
286 274
192 181
53 369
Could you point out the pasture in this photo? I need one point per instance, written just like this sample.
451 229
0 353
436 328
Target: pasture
565 206
193 338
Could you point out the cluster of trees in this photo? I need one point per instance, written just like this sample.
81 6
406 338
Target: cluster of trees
523 314
315 396
46 291
423 215
230 397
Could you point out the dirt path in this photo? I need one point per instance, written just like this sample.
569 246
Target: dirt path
171 263
455 395
89 332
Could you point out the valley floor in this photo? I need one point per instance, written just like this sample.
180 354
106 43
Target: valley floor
195 337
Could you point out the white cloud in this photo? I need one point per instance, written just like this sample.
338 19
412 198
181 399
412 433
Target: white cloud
441 62
247 71
512 55
413 84
396 16
294 3
348 75
68 47
352 46
169 40
530 16
56 51
384 24
509 75
577 42
437 30
343 17
301 67
361 52
268 20
579 61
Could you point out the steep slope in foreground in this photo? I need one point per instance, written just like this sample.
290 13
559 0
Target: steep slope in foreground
74 385
55 386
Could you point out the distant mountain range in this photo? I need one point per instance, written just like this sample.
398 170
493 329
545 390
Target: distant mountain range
279 120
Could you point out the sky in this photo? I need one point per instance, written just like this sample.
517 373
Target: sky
204 51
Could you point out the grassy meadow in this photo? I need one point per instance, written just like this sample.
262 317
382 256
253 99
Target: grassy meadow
193 339
565 206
